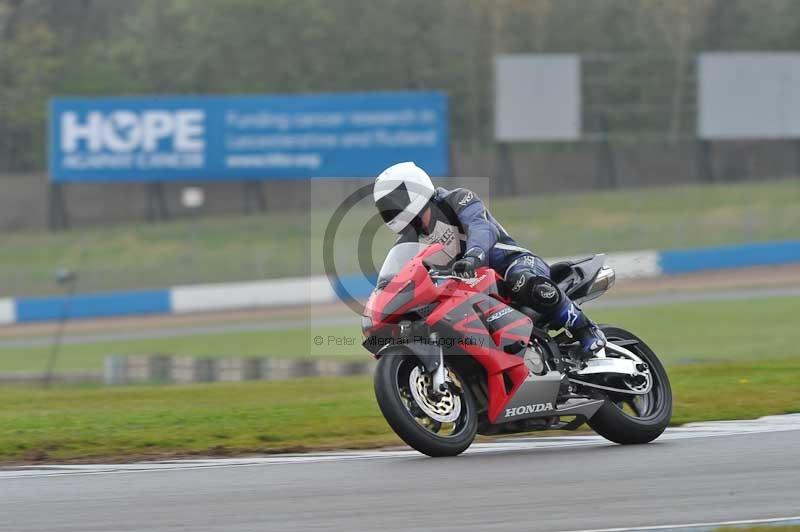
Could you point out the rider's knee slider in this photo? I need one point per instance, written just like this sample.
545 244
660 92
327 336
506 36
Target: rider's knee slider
544 294
535 291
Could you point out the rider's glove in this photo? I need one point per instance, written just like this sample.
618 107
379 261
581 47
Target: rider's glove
465 266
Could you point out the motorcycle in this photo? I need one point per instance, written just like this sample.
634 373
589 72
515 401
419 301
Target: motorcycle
456 358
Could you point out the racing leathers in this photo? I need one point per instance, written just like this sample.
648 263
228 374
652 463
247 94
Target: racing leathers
472 237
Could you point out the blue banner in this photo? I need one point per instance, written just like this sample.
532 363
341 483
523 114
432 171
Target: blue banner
246 137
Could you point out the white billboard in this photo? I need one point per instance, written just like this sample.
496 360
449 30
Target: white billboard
537 97
748 95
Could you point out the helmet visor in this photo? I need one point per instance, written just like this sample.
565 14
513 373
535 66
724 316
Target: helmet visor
393 203
390 214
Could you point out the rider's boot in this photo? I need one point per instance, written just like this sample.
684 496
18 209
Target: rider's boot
571 317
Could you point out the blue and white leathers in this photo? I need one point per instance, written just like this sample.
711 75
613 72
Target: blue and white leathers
463 225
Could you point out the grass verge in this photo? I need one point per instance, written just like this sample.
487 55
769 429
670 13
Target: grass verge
226 419
279 244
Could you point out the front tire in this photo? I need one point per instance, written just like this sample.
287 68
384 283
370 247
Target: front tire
396 373
647 421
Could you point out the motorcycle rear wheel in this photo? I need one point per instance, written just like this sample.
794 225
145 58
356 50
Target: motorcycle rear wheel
650 414
411 420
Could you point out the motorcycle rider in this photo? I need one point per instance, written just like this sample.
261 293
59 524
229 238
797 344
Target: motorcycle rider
418 212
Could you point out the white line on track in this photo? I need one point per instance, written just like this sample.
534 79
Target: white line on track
789 422
700 527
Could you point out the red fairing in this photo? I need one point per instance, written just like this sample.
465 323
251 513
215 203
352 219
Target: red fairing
385 307
470 314
468 309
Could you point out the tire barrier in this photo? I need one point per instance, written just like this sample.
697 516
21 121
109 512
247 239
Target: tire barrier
159 369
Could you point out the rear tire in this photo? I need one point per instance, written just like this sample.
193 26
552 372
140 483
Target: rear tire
613 423
391 375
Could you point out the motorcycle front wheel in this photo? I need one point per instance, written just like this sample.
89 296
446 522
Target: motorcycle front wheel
435 425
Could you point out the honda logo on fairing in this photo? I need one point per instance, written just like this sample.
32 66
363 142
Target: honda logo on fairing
499 314
528 409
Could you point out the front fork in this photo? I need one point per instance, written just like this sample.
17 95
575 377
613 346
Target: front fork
439 384
432 356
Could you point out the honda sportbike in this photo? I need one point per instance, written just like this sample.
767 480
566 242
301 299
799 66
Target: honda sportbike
456 358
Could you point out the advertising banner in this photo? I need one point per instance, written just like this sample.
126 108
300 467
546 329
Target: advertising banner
235 138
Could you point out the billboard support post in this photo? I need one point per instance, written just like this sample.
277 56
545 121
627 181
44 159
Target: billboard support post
253 197
57 216
506 179
705 161
156 202
797 157
605 166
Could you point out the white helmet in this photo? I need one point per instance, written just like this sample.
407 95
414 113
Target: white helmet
401 192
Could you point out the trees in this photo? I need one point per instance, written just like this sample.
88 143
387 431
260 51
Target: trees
59 47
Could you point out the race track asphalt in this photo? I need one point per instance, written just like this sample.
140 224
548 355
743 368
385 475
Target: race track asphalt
690 475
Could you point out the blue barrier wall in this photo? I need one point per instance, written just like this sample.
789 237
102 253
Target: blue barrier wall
735 256
32 309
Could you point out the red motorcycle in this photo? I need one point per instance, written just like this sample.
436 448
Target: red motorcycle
456 359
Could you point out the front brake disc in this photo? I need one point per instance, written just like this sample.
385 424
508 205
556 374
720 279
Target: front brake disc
445 409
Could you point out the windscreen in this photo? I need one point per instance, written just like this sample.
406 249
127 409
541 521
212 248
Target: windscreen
398 257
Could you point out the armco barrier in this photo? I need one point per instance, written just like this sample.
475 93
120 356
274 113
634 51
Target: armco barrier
318 290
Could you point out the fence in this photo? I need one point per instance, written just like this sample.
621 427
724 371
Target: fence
638 114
